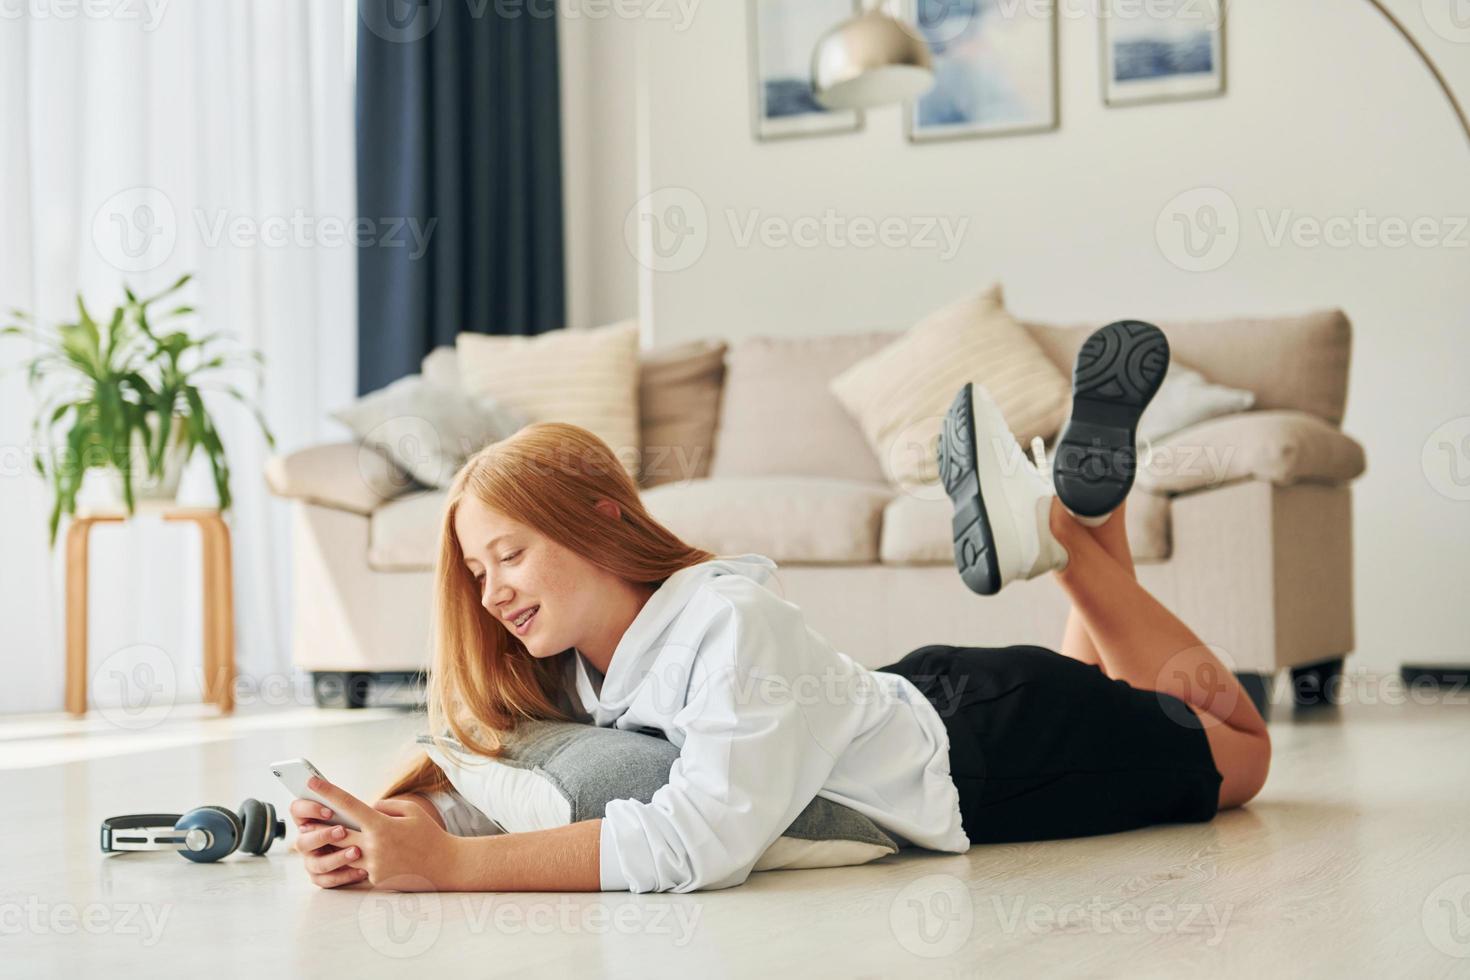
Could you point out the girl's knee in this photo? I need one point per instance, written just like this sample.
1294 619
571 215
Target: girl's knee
1244 762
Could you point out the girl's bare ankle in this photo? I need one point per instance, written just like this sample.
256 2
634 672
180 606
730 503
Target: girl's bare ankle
1064 526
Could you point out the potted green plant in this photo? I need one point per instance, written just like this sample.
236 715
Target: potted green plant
125 395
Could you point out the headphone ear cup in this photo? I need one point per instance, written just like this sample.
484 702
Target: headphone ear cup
275 827
259 820
223 826
235 825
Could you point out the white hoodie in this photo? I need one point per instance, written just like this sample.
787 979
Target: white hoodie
766 716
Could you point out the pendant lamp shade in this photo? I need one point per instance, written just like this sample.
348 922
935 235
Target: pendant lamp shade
868 61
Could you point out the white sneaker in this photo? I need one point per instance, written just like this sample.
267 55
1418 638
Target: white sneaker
1044 467
1002 520
1119 370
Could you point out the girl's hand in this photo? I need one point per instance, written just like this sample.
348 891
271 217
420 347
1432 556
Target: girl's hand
400 847
321 847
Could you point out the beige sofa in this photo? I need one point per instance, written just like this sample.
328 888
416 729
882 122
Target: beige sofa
1241 525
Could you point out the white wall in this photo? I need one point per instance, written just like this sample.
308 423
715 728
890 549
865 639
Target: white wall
599 164
1327 112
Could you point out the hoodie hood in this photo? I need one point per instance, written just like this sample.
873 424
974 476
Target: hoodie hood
638 649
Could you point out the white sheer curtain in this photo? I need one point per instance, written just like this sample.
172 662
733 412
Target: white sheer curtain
138 142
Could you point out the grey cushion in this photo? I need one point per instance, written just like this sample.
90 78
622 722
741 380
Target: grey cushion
586 766
428 429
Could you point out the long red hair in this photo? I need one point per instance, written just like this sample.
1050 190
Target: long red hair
483 680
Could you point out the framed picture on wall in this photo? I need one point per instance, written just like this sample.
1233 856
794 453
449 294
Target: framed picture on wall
1162 50
783 34
995 68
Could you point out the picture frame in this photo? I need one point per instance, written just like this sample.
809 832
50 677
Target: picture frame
996 70
783 35
1162 51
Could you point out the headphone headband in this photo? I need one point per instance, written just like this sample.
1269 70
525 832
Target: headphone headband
144 832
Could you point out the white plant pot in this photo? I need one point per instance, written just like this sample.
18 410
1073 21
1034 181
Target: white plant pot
149 489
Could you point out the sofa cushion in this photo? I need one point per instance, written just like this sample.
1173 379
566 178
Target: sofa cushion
678 409
584 377
800 519
1290 362
899 395
777 417
342 475
1278 447
916 528
403 535
428 429
440 366
679 391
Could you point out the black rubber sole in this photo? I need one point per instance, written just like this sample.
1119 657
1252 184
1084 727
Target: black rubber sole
1118 372
974 546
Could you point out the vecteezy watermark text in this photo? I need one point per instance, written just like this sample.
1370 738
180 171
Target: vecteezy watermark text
669 230
148 13
36 917
1200 230
1102 916
136 229
1363 229
406 21
302 230
402 925
832 230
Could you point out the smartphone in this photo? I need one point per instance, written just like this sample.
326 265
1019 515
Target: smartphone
294 773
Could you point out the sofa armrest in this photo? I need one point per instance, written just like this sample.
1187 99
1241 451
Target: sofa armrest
1281 447
1265 572
341 475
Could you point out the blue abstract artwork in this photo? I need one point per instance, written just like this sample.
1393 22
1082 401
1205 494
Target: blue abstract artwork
1160 57
994 67
1166 49
784 33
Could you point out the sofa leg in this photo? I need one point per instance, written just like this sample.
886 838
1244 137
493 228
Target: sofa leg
340 689
1317 684
1258 688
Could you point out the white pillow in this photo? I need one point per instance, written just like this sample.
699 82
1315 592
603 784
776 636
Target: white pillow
557 773
513 798
1187 398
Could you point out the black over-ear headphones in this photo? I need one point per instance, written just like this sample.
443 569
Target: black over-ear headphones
204 834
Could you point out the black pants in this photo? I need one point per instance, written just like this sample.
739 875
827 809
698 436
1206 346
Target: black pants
1043 746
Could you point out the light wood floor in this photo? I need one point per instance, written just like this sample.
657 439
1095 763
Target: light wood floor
1354 862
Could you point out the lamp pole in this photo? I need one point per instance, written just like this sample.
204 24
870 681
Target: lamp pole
1444 86
1430 675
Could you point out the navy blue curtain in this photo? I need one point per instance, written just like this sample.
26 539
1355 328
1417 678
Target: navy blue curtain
459 193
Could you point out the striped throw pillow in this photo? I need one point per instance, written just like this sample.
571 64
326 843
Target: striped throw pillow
899 395
585 377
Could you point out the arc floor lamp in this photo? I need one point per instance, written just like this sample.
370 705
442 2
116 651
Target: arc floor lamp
875 59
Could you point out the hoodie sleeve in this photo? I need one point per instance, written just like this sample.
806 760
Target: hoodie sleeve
753 757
